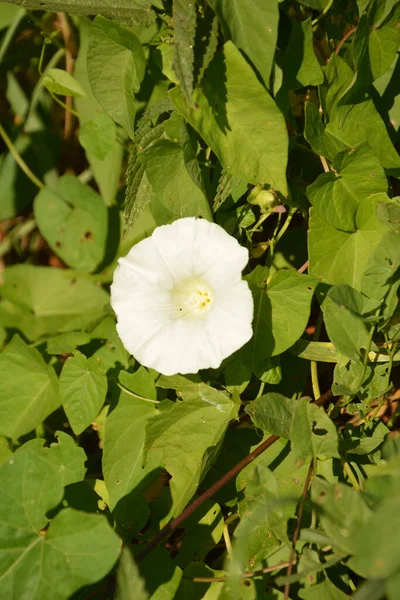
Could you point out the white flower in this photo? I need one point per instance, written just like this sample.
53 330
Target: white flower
180 301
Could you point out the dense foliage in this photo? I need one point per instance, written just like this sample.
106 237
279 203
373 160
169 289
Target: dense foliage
277 475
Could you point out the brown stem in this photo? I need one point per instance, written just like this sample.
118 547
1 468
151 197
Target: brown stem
69 67
344 38
189 510
168 529
303 267
297 530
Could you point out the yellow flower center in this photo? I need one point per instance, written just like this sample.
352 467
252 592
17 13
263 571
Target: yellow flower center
192 299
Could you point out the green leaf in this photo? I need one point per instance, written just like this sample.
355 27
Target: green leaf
123 446
112 352
116 67
138 189
184 15
383 263
161 574
301 67
336 196
376 550
128 11
83 388
312 433
346 330
184 439
73 220
330 248
358 123
28 389
365 438
98 135
235 115
202 531
209 50
171 182
253 31
347 379
140 382
69 458
66 343
74 302
272 413
316 135
280 312
105 172
59 81
41 564
130 586
374 49
342 512
323 591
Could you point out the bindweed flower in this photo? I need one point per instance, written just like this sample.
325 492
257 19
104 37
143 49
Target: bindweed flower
179 297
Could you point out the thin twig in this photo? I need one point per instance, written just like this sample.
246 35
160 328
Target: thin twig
303 267
19 160
243 575
218 485
297 530
344 38
324 163
168 529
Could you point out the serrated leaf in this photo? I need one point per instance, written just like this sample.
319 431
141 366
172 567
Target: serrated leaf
253 31
123 446
185 438
337 195
224 189
184 15
330 249
272 413
59 81
74 303
46 565
83 388
281 312
171 182
235 115
312 433
116 67
128 11
73 220
28 389
210 49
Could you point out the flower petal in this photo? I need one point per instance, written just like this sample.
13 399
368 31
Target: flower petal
229 322
181 347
